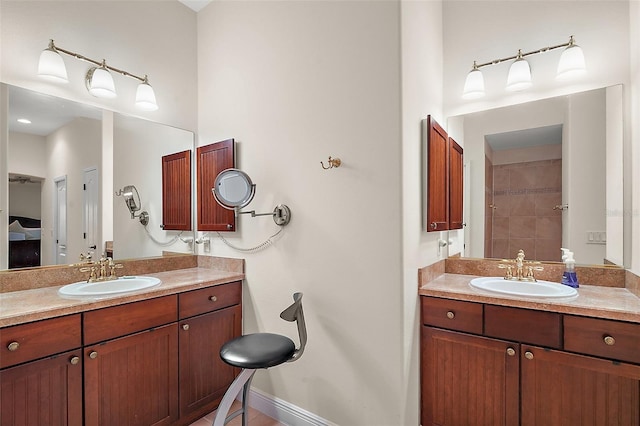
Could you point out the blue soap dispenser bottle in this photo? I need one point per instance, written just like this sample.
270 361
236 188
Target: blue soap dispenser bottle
569 276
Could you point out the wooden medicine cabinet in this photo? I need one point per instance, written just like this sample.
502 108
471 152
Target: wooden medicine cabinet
176 191
212 159
445 175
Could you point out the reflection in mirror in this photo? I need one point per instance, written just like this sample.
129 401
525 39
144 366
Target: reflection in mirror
233 189
132 201
54 151
138 150
544 175
61 152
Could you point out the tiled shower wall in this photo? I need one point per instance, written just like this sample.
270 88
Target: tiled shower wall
524 195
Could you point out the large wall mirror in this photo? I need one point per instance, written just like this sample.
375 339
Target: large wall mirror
64 170
544 175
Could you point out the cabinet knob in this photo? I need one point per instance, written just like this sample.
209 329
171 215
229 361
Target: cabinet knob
451 315
185 327
74 360
213 298
609 340
511 351
13 346
434 225
528 355
229 226
93 355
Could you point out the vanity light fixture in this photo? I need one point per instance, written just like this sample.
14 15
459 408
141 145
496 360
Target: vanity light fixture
571 65
98 80
519 77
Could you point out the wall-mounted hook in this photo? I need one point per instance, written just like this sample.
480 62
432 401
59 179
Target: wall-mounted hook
333 162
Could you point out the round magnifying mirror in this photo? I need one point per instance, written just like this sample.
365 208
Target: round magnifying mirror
131 198
233 189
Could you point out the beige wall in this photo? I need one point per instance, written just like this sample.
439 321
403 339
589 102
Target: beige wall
295 82
487 30
632 128
130 35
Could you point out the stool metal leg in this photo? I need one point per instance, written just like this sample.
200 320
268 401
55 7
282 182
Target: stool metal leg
241 383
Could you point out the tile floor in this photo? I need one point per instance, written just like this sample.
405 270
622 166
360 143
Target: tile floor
256 418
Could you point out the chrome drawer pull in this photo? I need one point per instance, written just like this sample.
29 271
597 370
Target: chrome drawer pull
511 351
74 360
451 315
213 298
608 340
93 355
185 327
13 346
528 355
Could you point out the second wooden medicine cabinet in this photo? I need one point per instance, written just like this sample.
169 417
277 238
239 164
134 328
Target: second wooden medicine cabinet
445 175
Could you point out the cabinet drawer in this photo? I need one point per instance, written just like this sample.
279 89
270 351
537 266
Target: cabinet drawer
116 321
209 299
452 314
523 325
26 342
604 338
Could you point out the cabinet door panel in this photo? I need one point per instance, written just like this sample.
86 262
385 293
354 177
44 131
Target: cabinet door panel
212 159
437 177
559 388
456 180
133 380
204 377
468 380
176 191
45 392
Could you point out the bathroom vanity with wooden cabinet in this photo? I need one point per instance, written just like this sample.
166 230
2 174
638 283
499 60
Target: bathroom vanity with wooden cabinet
153 361
490 360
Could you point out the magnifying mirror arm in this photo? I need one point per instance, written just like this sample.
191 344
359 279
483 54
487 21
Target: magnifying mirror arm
281 214
254 214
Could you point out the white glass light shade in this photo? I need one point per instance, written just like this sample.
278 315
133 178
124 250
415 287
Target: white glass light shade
100 83
519 77
146 97
51 66
473 85
571 63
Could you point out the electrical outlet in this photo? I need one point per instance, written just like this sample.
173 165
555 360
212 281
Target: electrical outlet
596 237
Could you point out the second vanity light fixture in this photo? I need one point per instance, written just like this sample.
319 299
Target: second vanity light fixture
571 65
98 80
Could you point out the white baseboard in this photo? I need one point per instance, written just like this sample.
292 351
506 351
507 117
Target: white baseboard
284 411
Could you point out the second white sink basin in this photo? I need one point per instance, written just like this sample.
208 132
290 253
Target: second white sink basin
106 288
539 289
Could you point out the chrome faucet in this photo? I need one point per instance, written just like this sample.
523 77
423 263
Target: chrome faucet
519 269
102 270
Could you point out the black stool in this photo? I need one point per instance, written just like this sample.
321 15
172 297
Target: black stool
260 350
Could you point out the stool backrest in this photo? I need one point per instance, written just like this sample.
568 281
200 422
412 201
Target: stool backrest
294 313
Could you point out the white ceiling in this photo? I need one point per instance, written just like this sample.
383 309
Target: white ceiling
46 113
196 5
548 135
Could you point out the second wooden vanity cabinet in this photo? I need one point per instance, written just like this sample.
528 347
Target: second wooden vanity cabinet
527 372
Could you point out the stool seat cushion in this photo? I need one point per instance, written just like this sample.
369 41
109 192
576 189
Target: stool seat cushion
259 350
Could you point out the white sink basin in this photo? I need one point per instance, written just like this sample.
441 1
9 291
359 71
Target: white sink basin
106 288
540 289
